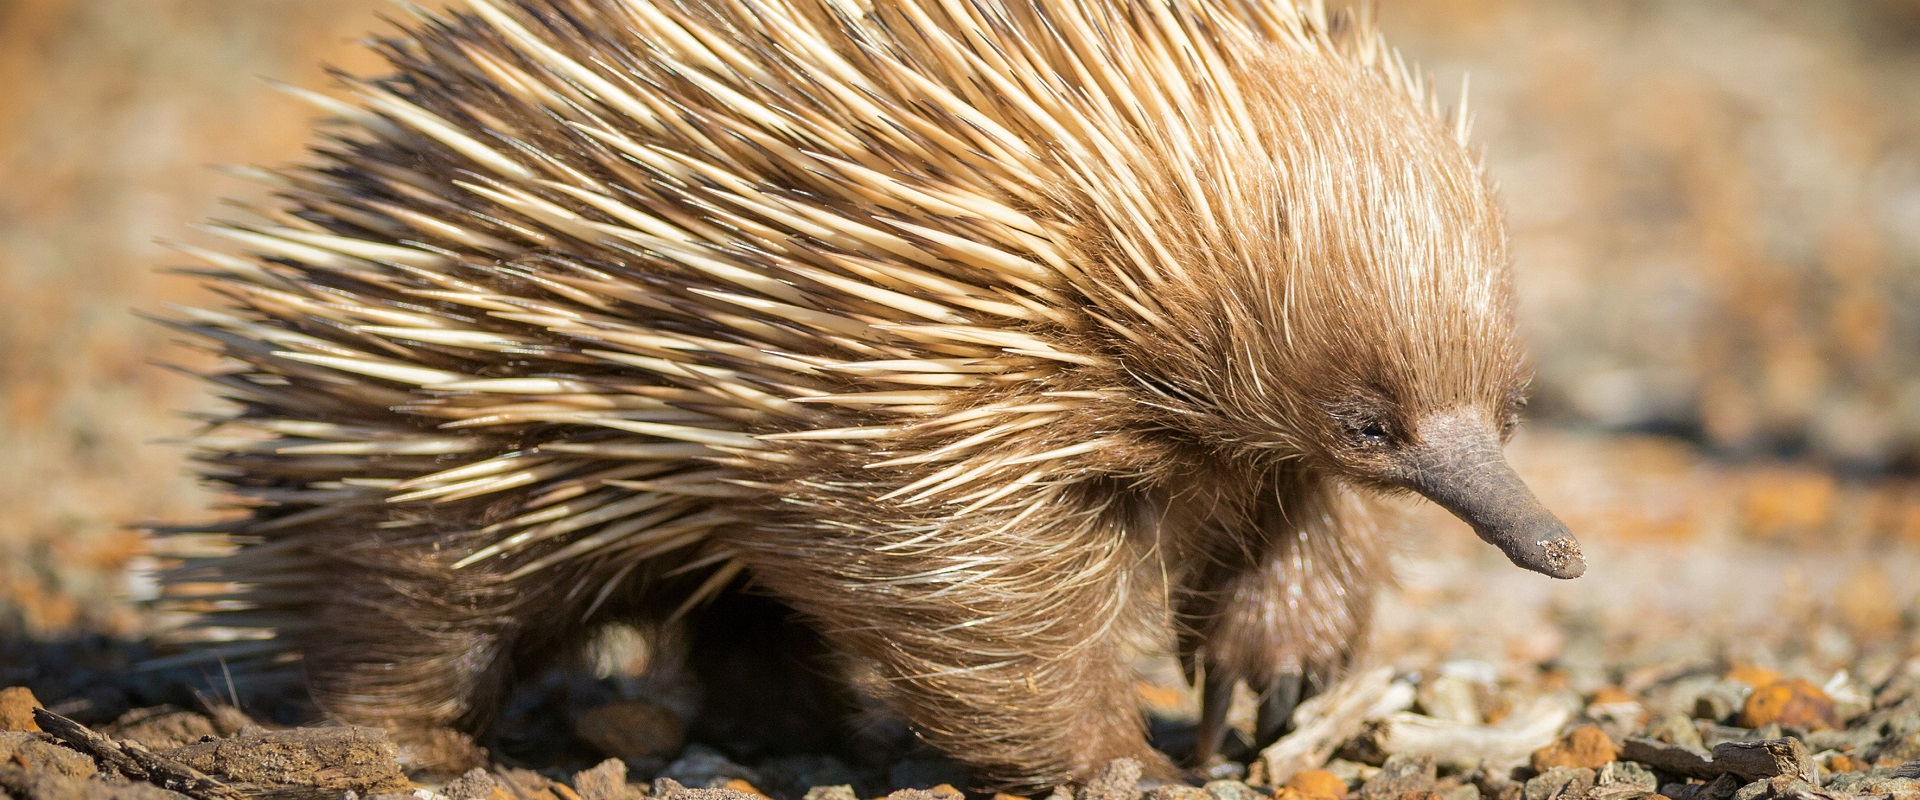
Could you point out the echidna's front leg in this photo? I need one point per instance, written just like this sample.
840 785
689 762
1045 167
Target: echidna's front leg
1001 634
1273 716
1285 619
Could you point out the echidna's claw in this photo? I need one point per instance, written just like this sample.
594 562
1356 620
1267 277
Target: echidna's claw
1216 696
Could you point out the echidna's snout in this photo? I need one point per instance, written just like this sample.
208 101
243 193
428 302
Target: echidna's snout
1458 464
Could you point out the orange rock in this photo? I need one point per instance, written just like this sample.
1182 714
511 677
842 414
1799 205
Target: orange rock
1796 703
1585 747
1157 697
16 709
1752 675
1846 764
1317 783
740 785
1866 603
1789 505
1608 695
1005 796
947 790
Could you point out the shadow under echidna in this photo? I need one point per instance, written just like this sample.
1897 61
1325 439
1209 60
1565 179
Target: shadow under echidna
991 344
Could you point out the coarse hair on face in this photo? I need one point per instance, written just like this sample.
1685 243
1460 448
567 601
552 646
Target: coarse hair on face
1346 278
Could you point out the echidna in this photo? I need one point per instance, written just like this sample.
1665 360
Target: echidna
989 341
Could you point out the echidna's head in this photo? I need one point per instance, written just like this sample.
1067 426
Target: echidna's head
1351 310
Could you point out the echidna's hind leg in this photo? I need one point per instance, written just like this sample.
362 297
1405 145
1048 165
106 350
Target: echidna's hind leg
1001 635
408 643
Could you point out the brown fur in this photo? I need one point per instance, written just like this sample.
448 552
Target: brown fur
997 341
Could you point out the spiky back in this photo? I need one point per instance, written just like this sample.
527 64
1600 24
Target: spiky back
584 276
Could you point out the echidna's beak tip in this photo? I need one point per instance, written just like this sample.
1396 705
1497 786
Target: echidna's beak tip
1552 552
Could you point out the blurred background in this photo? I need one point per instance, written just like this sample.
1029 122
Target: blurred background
1716 208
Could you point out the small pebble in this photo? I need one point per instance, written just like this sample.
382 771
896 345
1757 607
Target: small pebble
1751 675
670 789
1627 773
40 752
1118 780
1176 792
16 709
1585 747
1841 763
705 767
1796 703
1231 790
605 781
1560 783
1677 729
1720 700
1401 775
739 785
478 784
1318 783
1610 695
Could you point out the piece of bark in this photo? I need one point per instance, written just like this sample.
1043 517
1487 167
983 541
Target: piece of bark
1772 758
1506 744
1747 761
1669 758
1324 722
135 761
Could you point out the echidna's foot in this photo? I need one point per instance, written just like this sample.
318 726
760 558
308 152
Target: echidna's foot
1215 739
1274 716
437 752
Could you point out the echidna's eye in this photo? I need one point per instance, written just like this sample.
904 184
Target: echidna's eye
1373 432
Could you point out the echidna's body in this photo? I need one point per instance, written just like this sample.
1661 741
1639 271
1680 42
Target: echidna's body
992 337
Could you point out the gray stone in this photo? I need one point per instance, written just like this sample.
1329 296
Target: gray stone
1560 783
704 766
1400 775
477 784
606 781
39 752
1231 790
1118 780
1627 773
670 789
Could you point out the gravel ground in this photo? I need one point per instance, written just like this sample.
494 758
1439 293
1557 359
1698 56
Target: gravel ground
1745 629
